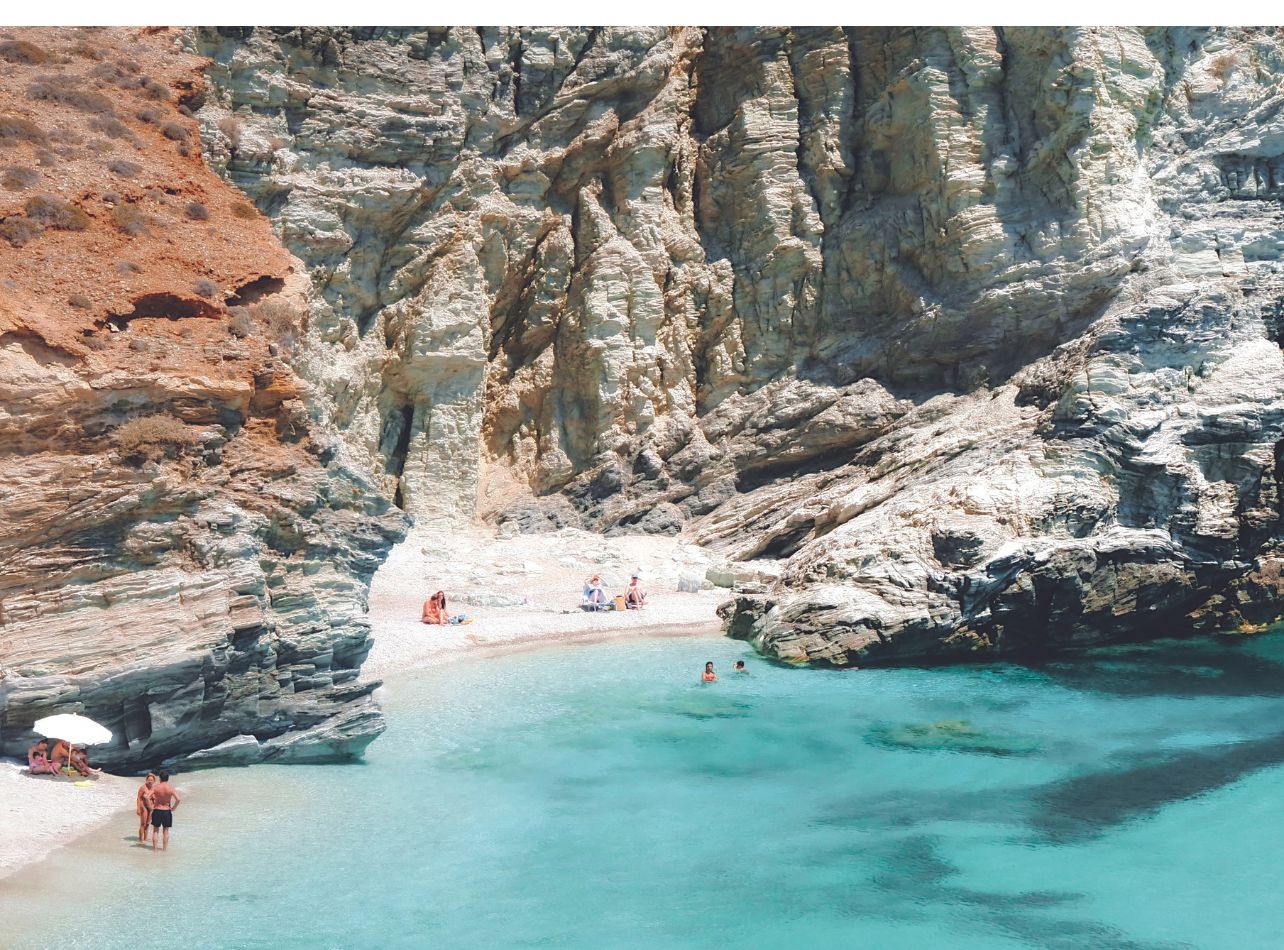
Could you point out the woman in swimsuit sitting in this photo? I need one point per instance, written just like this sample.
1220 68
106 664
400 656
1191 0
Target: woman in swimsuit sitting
435 609
38 761
709 675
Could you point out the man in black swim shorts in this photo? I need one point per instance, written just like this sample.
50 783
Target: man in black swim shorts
164 800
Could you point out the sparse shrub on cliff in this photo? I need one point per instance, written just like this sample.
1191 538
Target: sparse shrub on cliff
153 89
18 231
80 302
46 159
56 213
20 51
96 341
243 209
110 125
231 127
175 131
282 320
242 324
86 50
195 211
15 129
205 288
154 436
127 268
1222 65
131 220
66 137
122 73
124 168
19 178
70 91
150 116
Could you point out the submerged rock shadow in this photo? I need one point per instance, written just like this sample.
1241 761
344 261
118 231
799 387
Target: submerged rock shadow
917 876
1180 670
1084 806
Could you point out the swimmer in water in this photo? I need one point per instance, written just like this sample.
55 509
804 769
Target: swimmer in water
709 674
739 667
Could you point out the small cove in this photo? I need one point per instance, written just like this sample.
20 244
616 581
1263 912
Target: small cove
597 796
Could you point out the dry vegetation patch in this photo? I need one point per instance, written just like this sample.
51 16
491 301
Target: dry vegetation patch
20 51
55 212
15 129
154 436
19 178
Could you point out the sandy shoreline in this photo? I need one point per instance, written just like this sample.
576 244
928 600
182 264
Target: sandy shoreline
39 813
526 590
521 593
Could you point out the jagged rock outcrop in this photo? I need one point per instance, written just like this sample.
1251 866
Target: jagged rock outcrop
186 552
977 328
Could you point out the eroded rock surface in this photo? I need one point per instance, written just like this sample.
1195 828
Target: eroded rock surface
185 552
971 333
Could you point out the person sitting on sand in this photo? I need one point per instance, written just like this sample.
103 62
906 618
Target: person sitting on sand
38 761
80 762
739 667
143 806
634 594
61 755
594 595
435 609
709 676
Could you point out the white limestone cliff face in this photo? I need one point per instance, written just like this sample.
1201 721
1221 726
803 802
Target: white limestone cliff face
975 330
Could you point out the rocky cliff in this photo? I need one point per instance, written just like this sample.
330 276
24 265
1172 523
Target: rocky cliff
185 552
961 342
967 340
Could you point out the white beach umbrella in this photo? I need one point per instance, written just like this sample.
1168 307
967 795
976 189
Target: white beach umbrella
74 728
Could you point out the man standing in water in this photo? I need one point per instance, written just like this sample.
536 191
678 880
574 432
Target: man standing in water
164 800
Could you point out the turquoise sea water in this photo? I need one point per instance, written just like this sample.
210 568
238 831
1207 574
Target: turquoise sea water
599 797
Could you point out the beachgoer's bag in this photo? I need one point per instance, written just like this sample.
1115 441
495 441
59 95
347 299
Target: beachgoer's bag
619 602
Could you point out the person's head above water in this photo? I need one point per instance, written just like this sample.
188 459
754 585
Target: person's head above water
740 664
708 667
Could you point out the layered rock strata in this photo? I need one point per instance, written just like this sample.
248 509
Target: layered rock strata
185 552
971 332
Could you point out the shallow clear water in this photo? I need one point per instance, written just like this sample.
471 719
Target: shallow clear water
599 797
